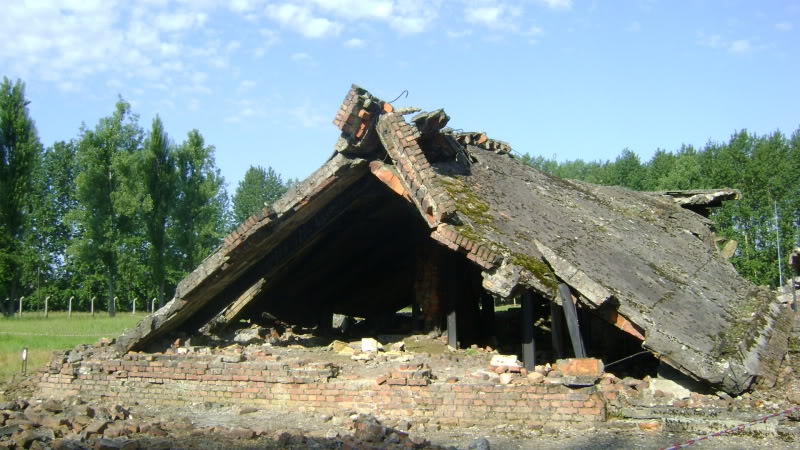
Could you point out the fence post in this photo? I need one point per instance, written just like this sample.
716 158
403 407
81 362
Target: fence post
92 306
133 310
152 306
114 301
69 308
46 300
20 306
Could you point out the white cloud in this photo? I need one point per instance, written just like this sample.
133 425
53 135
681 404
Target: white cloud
301 57
269 39
301 19
169 48
533 33
784 26
634 27
68 86
325 18
180 21
354 43
488 15
233 46
491 14
241 6
736 46
358 9
199 77
197 83
740 46
713 41
172 66
458 34
245 85
557 4
245 109
67 41
309 116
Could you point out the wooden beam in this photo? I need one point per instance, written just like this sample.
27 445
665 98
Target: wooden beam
557 329
572 321
528 345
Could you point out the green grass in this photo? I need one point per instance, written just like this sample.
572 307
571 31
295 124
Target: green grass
30 330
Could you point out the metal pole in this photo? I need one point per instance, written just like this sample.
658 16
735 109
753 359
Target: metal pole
152 306
24 360
528 343
133 310
20 306
46 300
69 314
92 306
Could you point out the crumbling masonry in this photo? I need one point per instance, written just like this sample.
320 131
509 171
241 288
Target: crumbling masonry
409 212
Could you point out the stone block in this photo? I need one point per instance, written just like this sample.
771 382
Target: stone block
580 367
505 360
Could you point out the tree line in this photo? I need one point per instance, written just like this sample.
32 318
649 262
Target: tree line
118 212
766 169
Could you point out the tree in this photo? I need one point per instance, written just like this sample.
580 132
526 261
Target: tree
199 212
158 172
766 169
19 154
627 171
51 234
259 187
685 171
109 196
658 169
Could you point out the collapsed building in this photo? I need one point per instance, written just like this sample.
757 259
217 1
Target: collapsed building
412 213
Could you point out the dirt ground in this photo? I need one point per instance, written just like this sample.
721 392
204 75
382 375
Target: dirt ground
322 427
207 425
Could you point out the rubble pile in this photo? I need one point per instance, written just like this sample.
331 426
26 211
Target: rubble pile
76 424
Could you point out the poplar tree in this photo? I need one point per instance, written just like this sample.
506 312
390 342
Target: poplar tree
19 154
259 187
199 212
158 173
108 194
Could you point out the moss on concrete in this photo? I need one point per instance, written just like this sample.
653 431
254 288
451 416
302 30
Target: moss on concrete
467 201
537 268
476 209
751 316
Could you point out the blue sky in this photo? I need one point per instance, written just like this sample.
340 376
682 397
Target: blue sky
262 80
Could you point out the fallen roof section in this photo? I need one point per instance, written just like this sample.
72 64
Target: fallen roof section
701 200
645 262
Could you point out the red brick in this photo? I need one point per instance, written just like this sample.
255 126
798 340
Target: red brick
580 367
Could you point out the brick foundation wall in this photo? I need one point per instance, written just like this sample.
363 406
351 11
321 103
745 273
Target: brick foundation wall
268 381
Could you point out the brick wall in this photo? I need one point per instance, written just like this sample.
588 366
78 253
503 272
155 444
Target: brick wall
269 381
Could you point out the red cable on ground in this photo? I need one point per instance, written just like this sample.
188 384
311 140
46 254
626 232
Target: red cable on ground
730 430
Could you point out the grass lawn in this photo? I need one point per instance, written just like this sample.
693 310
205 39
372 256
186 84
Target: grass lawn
58 332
